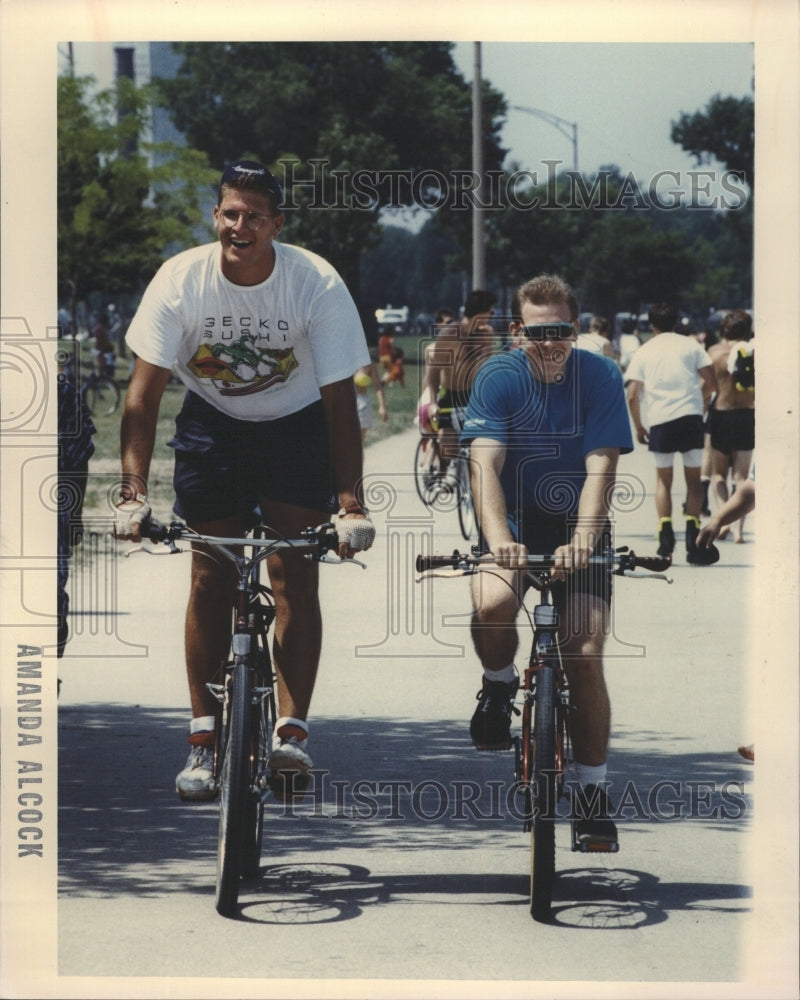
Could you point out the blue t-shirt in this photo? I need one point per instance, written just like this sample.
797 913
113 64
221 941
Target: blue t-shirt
548 428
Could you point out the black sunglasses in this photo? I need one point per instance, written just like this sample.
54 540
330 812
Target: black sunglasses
548 331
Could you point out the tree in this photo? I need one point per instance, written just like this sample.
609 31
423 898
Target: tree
351 127
725 132
118 214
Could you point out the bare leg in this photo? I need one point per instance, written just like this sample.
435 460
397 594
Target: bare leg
740 462
208 614
583 638
494 632
720 464
664 492
448 442
298 623
694 491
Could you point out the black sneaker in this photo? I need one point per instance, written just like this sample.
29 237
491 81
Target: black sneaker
695 554
666 538
592 826
490 728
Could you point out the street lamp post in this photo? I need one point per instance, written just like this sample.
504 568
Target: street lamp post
557 122
478 236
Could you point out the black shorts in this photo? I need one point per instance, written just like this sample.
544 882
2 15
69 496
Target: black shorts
682 434
224 466
732 430
542 536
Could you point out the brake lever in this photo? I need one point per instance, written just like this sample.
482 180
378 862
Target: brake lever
169 548
335 560
647 576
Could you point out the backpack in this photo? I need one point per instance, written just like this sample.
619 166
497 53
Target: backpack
741 365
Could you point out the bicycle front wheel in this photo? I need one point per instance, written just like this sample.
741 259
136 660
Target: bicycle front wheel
427 467
263 723
234 788
544 793
466 509
102 396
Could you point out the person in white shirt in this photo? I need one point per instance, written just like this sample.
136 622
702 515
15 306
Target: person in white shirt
670 382
267 339
598 339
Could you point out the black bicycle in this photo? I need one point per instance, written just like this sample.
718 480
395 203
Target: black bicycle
244 689
542 748
101 393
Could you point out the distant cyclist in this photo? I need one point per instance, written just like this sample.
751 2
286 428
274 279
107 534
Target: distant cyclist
732 417
267 340
452 362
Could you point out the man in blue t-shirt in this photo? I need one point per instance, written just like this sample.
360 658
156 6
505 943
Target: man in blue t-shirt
547 424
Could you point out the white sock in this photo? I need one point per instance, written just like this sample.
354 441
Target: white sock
507 674
203 724
588 774
286 720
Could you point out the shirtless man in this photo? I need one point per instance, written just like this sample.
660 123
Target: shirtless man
452 362
731 418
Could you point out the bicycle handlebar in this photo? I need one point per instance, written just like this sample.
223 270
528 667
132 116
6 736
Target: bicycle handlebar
623 559
315 542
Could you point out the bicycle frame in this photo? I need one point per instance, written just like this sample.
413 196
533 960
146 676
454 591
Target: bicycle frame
544 655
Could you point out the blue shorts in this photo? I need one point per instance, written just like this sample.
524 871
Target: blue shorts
224 466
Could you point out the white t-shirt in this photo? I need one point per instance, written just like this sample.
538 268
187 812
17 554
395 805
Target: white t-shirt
668 365
629 344
255 352
591 342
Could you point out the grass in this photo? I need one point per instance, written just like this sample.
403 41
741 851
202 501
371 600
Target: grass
104 466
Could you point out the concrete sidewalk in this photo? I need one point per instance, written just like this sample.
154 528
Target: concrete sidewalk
403 853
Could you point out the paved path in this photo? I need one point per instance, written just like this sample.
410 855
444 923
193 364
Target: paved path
409 863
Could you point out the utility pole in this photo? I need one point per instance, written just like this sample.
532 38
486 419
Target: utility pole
478 233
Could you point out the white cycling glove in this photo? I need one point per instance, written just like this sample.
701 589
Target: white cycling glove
356 532
130 513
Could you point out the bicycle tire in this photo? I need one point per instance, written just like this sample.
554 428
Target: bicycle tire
102 396
263 722
426 468
544 785
466 508
234 788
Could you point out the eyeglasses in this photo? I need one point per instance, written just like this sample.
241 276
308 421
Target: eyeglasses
251 219
548 331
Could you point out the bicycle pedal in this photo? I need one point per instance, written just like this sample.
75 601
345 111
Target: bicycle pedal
596 847
587 844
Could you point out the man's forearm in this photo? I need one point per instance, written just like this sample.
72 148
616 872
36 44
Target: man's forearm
595 498
345 439
138 426
490 503
137 440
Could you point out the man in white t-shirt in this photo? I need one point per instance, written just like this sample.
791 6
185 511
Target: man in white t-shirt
266 338
671 379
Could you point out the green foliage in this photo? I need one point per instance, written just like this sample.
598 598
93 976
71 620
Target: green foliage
319 112
724 131
118 214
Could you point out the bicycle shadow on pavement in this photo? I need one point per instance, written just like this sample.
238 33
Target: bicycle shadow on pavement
389 787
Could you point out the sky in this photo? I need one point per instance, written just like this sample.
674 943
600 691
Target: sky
623 97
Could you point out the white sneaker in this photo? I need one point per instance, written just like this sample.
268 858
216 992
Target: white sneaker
195 783
290 767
